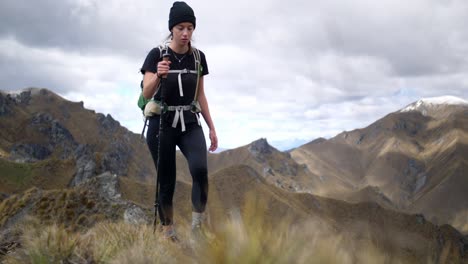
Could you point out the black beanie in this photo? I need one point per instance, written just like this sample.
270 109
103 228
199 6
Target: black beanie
181 12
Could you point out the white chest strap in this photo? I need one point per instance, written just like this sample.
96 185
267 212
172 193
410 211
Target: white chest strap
179 78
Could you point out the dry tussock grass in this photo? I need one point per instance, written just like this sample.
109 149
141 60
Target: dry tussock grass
247 237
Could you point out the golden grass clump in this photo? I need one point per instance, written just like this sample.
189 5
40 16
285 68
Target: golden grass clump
14 204
126 243
49 244
106 242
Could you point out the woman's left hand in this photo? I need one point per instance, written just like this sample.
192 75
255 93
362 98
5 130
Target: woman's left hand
214 140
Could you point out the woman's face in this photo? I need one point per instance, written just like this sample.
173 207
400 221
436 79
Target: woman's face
182 33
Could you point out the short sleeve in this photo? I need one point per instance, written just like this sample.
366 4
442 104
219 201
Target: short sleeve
151 61
204 64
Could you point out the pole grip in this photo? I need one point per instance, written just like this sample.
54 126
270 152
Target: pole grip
166 56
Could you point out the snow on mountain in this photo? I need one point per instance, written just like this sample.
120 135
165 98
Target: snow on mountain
423 104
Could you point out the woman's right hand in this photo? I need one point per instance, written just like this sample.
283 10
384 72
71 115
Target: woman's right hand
163 68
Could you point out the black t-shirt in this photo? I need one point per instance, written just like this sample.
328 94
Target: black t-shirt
171 88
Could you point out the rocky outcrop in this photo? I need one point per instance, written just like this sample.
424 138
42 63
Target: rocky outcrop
116 158
85 165
50 127
107 123
134 214
89 163
106 185
277 167
24 152
21 98
260 148
54 138
414 176
4 109
107 188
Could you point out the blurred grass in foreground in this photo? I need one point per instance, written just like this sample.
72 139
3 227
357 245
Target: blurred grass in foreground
246 237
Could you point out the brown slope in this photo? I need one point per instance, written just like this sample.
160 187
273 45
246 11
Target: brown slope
322 159
446 196
431 180
406 155
349 155
349 158
369 193
235 187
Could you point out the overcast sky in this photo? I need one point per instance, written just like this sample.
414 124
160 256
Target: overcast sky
289 71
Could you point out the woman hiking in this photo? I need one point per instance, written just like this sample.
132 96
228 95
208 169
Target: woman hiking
179 118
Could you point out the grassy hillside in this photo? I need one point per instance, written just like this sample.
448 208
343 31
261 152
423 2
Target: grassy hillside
47 174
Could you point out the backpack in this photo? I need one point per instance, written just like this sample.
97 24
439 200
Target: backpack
151 107
142 101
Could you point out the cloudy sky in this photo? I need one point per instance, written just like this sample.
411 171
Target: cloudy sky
289 71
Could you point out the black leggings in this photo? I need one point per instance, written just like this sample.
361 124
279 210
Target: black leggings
193 146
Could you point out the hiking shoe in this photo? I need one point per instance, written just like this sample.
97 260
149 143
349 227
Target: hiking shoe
169 233
201 235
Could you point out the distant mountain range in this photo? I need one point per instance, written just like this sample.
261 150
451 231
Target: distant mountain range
405 174
414 160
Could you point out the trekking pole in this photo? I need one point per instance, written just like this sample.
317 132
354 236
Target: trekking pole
146 118
144 128
163 84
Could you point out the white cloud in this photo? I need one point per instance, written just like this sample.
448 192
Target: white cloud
288 72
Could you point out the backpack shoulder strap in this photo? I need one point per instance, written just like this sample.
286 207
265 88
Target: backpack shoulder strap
160 48
199 69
